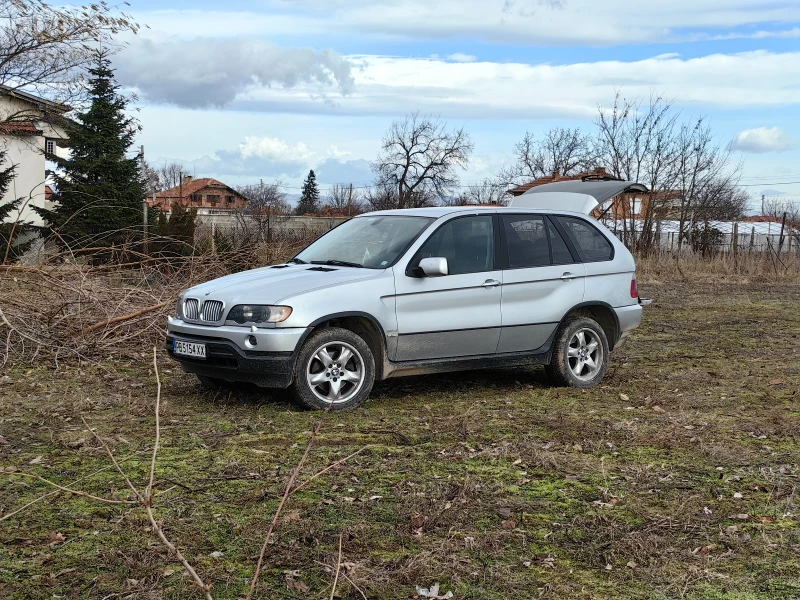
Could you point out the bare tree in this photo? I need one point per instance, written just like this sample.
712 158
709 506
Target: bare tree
44 48
344 199
262 197
489 191
419 157
170 175
685 168
562 151
775 207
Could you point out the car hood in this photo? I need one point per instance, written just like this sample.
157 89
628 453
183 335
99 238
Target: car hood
269 285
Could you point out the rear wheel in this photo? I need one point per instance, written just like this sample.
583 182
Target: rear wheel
580 354
335 369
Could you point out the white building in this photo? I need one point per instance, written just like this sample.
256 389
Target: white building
28 125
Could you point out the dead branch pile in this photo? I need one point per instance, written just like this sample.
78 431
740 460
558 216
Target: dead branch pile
70 306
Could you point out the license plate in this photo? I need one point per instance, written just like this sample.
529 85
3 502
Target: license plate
189 349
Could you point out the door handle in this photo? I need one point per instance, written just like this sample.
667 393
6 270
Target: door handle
490 283
568 276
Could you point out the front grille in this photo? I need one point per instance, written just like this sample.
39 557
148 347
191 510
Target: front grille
212 311
191 309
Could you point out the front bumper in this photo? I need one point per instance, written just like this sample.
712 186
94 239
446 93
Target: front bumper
269 364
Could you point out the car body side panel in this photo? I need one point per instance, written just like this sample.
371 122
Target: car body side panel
373 296
444 317
534 300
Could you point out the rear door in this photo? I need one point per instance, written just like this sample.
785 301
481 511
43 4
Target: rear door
543 278
607 280
458 314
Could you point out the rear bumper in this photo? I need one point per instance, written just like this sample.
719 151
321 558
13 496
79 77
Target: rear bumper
629 318
225 360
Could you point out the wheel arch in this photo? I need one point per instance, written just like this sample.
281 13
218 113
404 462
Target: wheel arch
601 312
360 323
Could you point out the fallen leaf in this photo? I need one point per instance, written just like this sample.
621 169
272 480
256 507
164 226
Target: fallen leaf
56 539
657 408
738 496
292 515
624 397
504 512
216 554
631 565
168 572
742 516
293 584
509 524
766 520
36 460
777 381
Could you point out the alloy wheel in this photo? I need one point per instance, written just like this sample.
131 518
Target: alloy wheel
335 372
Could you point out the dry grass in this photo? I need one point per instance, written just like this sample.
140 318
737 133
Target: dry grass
491 483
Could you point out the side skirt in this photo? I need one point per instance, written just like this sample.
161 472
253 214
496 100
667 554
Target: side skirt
469 363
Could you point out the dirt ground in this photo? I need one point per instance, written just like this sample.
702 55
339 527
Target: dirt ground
676 478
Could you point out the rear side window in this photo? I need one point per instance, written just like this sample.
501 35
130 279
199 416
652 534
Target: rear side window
592 244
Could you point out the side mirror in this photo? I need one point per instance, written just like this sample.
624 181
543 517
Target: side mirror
436 266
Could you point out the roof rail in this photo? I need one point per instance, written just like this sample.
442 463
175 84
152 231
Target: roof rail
600 178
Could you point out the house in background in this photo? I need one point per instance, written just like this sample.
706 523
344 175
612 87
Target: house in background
207 196
29 125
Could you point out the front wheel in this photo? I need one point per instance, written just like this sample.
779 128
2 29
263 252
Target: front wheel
580 354
335 369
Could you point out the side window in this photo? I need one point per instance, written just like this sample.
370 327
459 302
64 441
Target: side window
593 245
526 241
467 244
561 254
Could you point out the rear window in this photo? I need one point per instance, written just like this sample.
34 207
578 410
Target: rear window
592 244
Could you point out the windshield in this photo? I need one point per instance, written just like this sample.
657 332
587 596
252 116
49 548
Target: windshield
371 242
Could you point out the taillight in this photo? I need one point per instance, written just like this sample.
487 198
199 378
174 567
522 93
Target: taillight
634 288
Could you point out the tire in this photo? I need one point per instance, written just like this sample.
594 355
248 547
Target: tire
580 354
316 385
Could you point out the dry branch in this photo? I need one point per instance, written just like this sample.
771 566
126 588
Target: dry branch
127 317
287 492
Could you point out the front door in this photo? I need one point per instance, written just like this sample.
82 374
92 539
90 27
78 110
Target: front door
543 279
458 314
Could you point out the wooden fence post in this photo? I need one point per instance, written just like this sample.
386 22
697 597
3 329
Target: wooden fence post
735 242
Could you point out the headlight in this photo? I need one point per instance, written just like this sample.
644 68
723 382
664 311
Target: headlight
246 314
179 307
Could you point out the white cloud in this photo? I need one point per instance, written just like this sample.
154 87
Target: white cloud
334 152
391 85
762 140
462 58
273 148
534 22
206 72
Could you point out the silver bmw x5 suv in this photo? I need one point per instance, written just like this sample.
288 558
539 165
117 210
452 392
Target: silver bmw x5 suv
409 292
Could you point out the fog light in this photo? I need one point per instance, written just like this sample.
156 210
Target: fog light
251 341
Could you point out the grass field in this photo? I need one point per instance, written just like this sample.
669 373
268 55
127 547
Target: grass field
676 478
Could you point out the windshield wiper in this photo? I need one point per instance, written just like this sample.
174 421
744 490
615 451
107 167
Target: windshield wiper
299 261
337 263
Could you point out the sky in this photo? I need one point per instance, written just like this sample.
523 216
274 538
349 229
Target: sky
268 89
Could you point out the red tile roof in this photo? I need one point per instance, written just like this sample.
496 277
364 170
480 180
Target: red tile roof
19 128
521 189
48 192
191 187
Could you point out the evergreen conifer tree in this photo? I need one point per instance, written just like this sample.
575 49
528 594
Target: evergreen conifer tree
100 189
309 200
